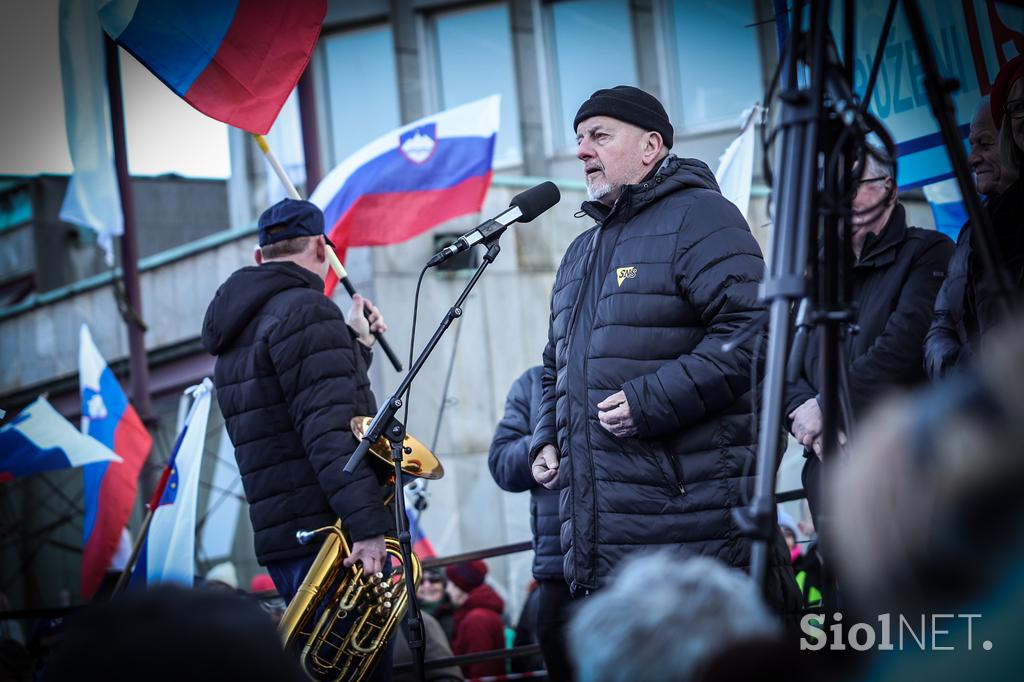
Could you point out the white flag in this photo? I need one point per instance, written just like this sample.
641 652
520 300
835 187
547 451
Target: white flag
169 555
92 199
736 166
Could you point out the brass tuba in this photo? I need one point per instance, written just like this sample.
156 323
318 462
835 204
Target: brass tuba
335 597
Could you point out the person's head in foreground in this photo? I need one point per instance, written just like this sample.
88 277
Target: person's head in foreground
664 617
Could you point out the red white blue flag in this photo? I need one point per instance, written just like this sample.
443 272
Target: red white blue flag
41 439
169 552
421 545
411 179
234 60
110 487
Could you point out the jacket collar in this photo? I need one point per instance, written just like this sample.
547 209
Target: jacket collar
633 196
880 249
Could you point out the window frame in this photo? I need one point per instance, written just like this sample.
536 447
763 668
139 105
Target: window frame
431 64
672 81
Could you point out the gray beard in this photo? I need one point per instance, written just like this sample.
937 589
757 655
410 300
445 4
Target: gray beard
599 192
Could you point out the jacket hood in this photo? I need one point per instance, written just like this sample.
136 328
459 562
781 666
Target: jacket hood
243 295
483 597
674 174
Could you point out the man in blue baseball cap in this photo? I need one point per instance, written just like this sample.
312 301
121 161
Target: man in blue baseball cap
291 373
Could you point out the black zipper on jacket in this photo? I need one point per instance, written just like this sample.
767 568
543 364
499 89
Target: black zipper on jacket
678 469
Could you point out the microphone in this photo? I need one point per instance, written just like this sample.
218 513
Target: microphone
523 208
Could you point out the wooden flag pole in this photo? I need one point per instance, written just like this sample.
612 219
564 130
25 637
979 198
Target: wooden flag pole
332 257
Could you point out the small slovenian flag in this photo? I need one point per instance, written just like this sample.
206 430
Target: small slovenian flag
421 545
110 487
40 439
169 552
234 60
411 179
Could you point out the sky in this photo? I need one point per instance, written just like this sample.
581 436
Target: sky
165 135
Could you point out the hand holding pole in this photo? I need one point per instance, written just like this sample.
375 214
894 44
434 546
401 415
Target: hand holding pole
332 257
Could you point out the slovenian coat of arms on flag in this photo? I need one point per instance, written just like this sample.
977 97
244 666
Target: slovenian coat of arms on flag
411 179
110 487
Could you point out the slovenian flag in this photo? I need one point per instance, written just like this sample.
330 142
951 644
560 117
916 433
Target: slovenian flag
234 60
422 547
108 417
40 439
169 552
411 179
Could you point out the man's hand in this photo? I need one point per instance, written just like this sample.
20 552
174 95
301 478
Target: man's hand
615 417
545 467
371 552
818 445
807 425
360 325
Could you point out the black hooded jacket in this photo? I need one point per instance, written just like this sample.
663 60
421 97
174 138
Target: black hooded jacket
509 460
966 306
642 303
894 284
290 376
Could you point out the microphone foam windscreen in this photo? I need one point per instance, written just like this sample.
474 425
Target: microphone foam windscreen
536 200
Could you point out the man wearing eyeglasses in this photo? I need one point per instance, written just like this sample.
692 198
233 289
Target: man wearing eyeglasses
896 273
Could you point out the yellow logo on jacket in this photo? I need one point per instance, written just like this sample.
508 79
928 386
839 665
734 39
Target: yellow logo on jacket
628 272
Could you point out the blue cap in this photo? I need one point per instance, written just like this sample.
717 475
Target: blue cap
290 218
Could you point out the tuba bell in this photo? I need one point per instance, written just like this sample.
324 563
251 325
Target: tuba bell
340 619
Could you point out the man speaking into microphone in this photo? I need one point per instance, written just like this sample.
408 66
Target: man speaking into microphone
645 422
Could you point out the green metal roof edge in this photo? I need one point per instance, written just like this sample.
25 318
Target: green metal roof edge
148 263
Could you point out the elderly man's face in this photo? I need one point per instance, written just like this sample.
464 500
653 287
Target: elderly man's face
872 205
991 177
612 155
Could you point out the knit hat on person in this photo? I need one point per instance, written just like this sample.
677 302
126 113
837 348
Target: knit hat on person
1007 76
467 575
629 104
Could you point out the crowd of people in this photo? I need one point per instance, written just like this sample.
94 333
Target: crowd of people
634 436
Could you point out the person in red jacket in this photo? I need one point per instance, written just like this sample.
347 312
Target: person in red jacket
477 619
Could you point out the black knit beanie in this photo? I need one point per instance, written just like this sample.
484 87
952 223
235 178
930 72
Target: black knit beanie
629 104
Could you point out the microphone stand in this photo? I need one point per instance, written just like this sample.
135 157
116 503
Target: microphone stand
386 424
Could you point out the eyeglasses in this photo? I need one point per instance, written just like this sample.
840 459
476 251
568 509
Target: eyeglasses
865 181
1015 108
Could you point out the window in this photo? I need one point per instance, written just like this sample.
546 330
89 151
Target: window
593 49
475 60
362 88
717 61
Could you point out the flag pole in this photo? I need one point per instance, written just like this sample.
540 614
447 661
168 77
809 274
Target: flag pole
332 257
129 241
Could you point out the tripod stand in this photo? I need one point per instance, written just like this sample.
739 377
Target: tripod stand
821 139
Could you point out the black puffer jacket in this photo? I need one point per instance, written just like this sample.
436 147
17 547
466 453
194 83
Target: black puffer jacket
642 303
946 346
894 286
966 307
290 376
509 460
